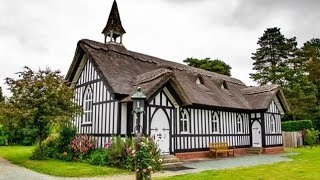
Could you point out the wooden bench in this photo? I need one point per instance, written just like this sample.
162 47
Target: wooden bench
219 148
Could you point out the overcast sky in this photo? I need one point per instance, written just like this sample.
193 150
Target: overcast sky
38 33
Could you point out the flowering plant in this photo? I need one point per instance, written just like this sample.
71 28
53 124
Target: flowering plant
82 145
147 158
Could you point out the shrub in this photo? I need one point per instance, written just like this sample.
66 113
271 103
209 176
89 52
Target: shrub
38 154
311 137
99 157
50 145
4 135
58 144
117 152
148 158
296 125
82 145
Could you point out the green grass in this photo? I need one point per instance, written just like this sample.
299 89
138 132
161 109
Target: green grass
20 155
306 165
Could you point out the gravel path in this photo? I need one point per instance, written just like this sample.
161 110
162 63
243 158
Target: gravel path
11 171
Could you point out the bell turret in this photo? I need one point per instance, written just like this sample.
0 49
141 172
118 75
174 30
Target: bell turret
114 28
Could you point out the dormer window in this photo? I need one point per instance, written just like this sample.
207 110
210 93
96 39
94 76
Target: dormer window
199 81
224 85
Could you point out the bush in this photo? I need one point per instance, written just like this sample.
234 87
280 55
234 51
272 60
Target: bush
117 151
122 154
296 125
4 135
58 144
82 145
50 146
311 137
148 158
99 157
38 154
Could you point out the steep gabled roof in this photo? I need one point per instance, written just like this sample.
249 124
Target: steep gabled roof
124 70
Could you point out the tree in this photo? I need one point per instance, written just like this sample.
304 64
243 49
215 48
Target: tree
311 55
215 65
41 98
1 95
270 59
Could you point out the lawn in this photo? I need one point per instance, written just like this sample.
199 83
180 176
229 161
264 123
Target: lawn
19 155
306 165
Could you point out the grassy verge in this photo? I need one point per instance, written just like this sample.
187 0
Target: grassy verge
306 165
19 155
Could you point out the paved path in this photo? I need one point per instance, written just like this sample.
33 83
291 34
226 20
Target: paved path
10 171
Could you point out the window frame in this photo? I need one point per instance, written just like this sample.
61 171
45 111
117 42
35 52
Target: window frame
184 122
87 106
239 123
272 124
215 120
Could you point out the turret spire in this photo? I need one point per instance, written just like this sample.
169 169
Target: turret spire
114 27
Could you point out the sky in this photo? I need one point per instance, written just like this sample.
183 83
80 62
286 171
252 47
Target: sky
39 34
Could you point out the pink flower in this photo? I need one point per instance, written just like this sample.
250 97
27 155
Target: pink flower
144 170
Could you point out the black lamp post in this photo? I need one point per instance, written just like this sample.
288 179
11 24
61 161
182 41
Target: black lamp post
138 99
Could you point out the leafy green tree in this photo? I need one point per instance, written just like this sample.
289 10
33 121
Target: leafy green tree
1 95
270 59
41 98
215 65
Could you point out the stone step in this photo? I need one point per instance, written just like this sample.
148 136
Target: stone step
172 165
170 160
254 150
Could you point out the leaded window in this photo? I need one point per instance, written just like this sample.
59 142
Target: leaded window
239 124
215 122
184 121
272 125
87 105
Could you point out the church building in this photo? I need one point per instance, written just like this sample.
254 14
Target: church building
186 108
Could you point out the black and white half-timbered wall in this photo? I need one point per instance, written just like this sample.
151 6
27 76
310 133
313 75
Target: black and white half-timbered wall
186 108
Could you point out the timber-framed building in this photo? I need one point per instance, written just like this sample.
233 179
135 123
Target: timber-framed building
186 107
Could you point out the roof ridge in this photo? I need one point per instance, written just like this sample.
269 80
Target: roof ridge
259 89
151 75
187 68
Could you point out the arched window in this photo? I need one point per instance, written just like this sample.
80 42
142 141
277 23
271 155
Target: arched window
184 122
239 124
87 105
272 124
215 122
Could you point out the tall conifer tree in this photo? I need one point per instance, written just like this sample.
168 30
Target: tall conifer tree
270 59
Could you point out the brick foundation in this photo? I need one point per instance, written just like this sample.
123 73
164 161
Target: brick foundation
193 155
273 150
237 152
205 154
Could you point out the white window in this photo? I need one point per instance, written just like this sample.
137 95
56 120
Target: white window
215 122
224 85
272 125
199 81
87 105
184 122
239 124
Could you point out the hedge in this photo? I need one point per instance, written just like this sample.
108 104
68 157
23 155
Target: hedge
296 125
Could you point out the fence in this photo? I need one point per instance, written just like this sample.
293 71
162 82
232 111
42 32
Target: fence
292 139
